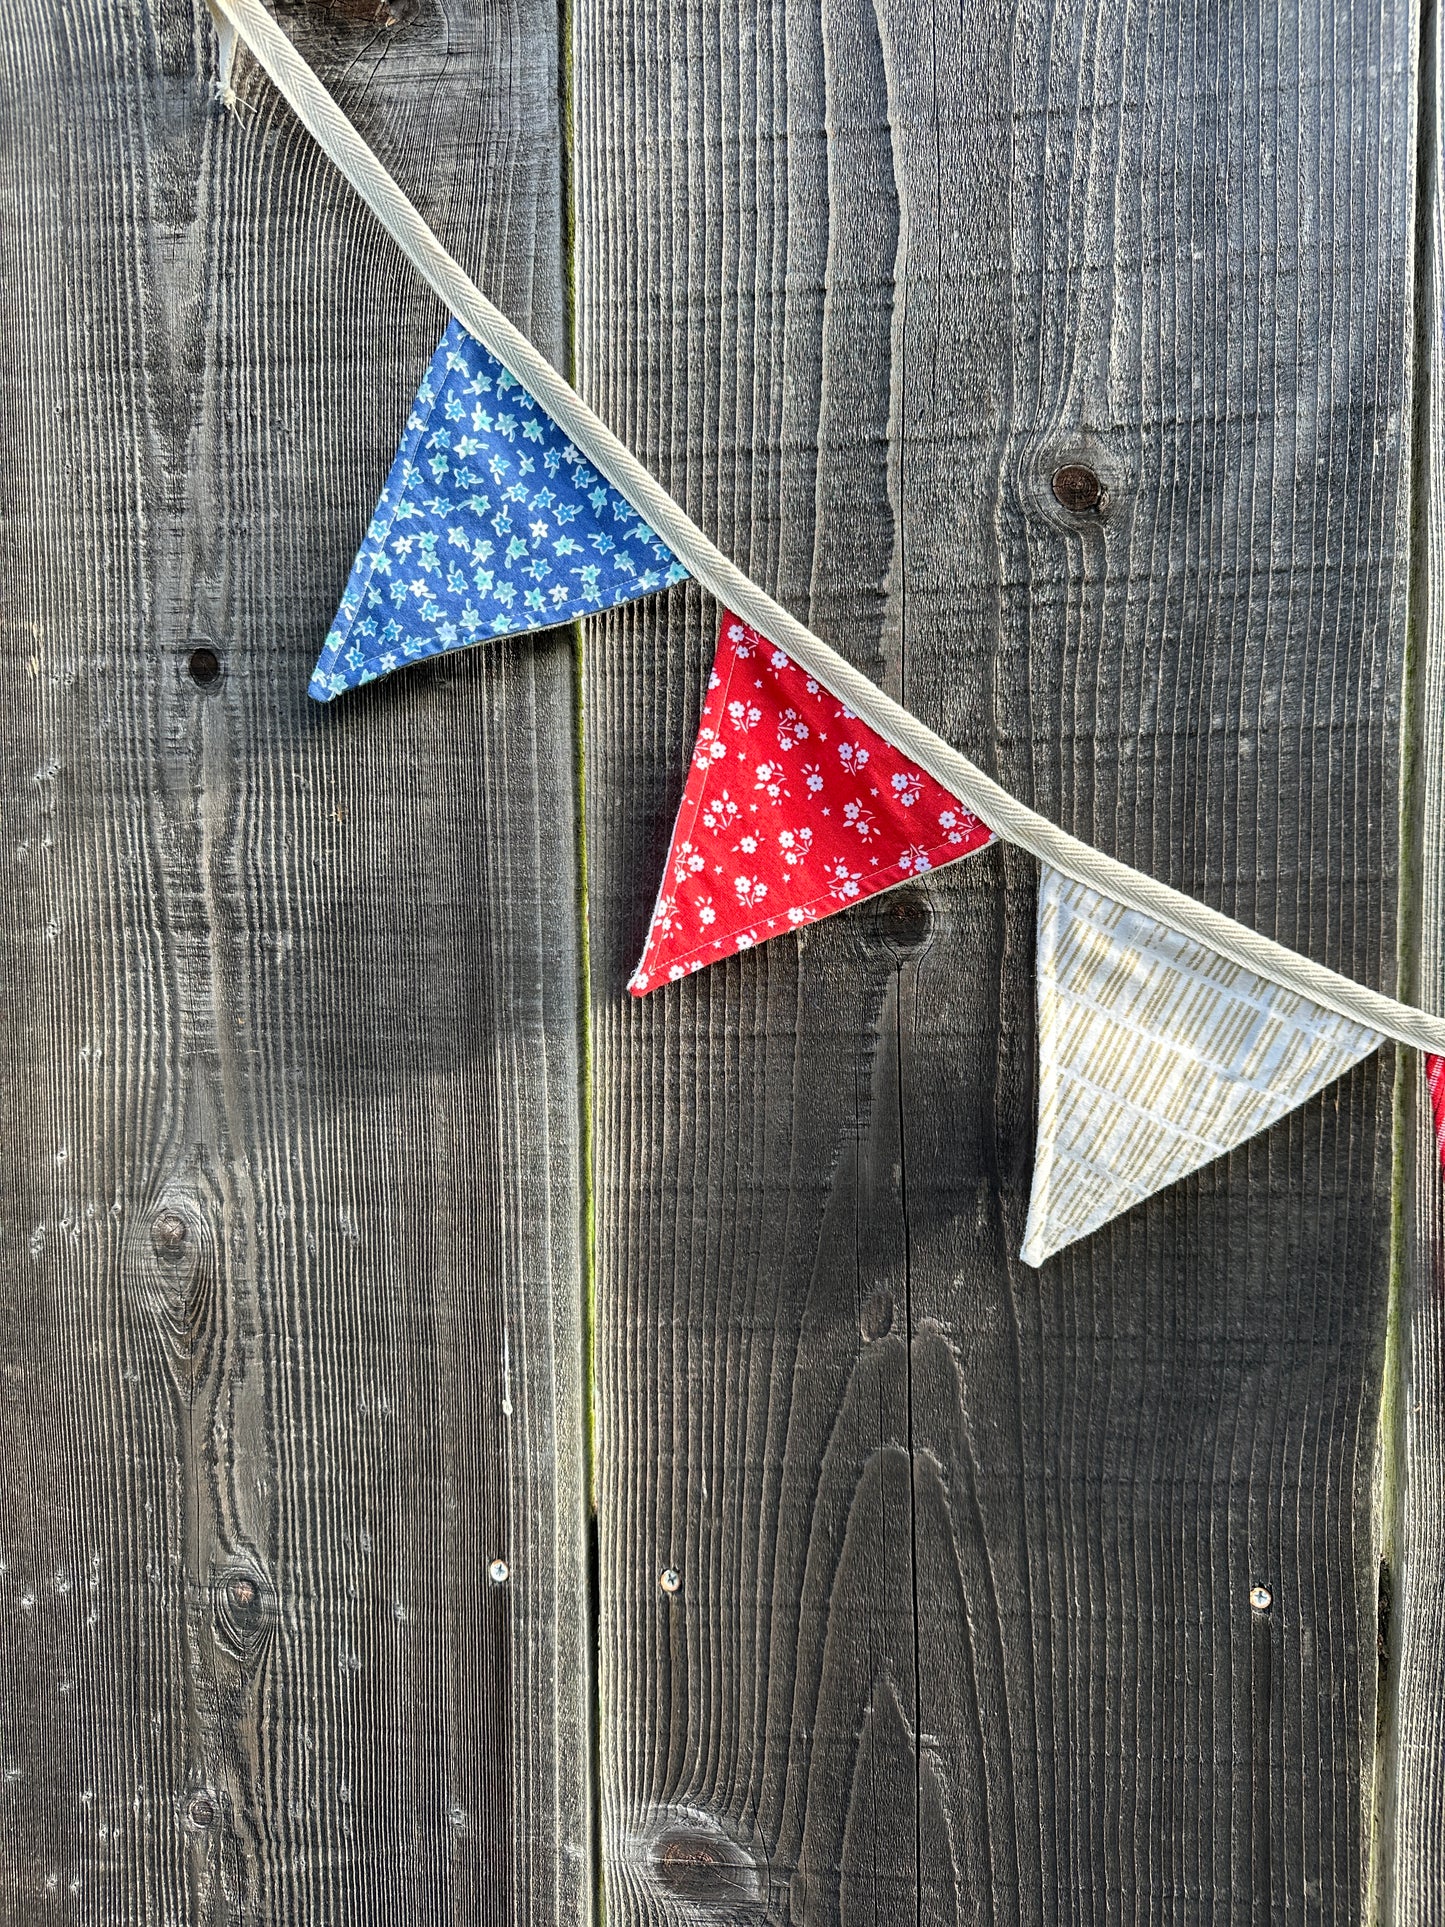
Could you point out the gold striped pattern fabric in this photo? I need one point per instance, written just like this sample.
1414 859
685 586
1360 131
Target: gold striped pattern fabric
1156 1055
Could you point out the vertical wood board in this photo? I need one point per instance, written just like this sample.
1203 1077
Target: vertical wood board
964 1630
290 1320
1411 1840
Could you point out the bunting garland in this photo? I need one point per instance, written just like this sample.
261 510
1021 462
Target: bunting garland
1168 1033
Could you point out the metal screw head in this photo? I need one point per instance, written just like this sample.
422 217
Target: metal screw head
1078 488
1261 1598
670 1579
499 1572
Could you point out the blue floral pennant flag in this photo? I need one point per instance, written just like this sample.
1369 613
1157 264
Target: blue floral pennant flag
491 523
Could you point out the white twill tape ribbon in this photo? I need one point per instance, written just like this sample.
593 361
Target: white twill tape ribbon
324 120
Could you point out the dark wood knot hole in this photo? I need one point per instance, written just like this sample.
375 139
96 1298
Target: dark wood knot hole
204 667
904 918
1078 488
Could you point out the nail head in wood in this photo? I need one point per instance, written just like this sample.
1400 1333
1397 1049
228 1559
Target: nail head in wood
499 1572
1078 488
670 1579
1261 1598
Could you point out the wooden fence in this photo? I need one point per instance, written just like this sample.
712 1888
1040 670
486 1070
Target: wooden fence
360 1233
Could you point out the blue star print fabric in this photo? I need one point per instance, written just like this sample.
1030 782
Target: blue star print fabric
491 523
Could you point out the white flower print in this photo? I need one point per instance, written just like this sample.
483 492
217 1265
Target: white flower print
722 812
792 730
813 776
797 914
709 749
852 756
705 911
780 661
859 819
795 844
842 881
957 827
914 861
747 847
750 891
689 862
907 786
744 715
770 781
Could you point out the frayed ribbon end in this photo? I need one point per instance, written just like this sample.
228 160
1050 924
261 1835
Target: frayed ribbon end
227 41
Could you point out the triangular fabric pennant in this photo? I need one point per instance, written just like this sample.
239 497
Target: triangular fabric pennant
1435 1085
1156 1055
491 524
794 808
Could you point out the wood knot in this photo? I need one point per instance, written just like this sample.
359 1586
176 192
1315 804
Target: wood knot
169 1233
201 1810
387 14
902 919
204 666
875 1320
1077 488
242 1614
704 1866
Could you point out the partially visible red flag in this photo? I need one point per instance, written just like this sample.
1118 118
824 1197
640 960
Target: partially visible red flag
794 808
1435 1083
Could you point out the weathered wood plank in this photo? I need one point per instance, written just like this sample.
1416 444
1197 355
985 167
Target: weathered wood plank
290 1332
1411 1842
964 1630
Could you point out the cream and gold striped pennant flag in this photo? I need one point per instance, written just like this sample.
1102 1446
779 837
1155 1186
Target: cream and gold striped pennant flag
1156 1055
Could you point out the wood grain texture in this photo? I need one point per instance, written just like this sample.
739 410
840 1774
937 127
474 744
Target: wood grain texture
290 1328
1411 1833
964 1632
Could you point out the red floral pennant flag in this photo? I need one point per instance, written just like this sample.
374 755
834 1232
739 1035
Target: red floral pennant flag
1435 1084
794 808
